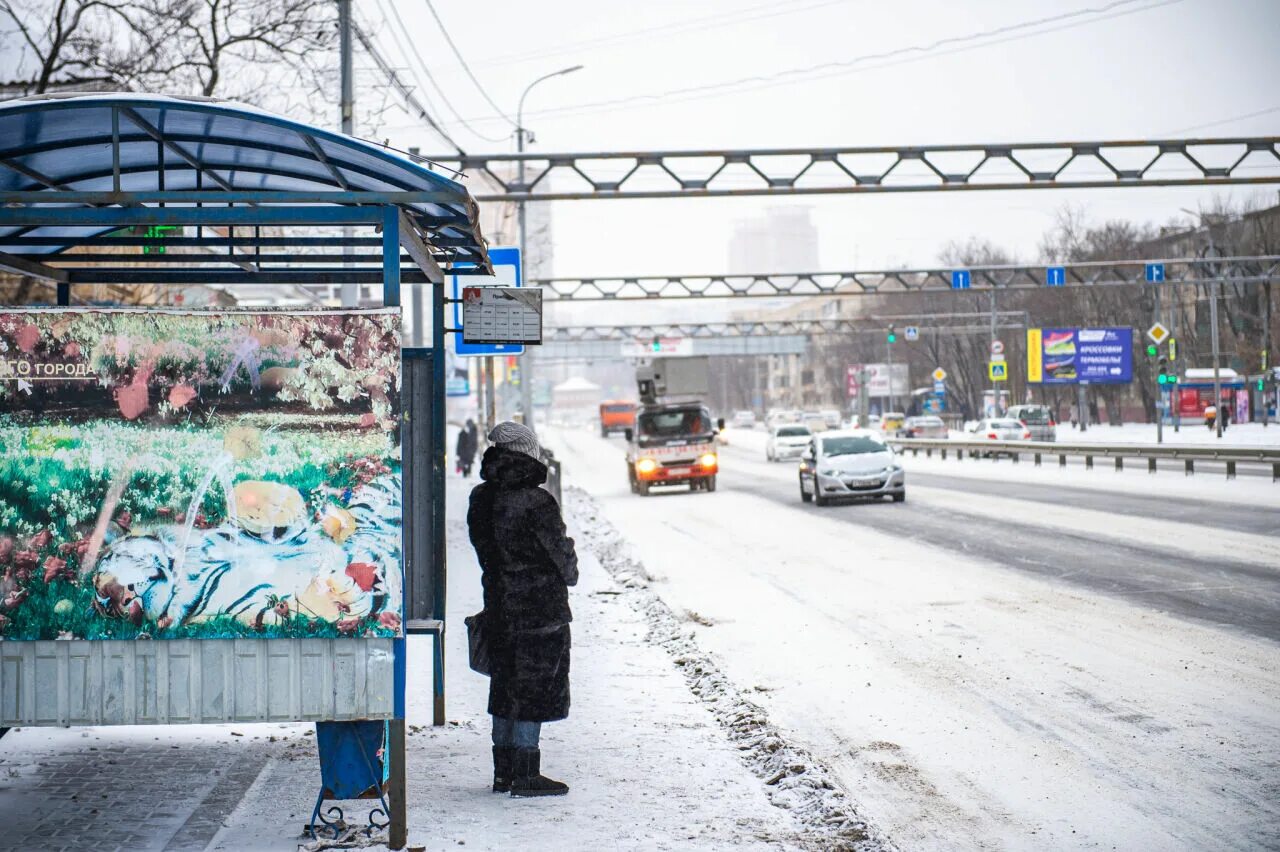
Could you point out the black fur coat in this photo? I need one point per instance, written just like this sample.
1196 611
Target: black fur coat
528 564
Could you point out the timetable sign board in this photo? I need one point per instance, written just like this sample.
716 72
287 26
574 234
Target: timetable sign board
501 315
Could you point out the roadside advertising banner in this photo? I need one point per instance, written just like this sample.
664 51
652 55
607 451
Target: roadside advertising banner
878 380
183 474
1075 355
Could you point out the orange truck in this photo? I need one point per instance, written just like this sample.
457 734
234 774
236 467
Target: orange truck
616 415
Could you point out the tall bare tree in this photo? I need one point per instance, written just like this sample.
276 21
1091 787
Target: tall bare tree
69 43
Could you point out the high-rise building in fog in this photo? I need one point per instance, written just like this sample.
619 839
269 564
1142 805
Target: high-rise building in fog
783 240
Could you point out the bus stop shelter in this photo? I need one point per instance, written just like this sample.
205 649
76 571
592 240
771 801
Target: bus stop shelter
103 190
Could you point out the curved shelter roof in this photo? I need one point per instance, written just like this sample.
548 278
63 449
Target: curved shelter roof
136 146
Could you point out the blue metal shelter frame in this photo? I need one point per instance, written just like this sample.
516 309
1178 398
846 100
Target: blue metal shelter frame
78 172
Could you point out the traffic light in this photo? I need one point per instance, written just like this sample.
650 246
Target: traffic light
892 336
1173 349
1164 377
657 343
1152 350
1261 384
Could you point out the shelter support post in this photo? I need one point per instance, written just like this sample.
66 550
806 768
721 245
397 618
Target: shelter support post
397 780
437 492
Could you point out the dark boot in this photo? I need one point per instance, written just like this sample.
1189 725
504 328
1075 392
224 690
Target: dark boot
528 780
503 757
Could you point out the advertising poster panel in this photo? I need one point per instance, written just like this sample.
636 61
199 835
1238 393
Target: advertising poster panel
183 474
879 379
1075 355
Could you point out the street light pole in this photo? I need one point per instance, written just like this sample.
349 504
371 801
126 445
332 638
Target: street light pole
526 361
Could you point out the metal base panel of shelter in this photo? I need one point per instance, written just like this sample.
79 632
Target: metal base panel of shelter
185 681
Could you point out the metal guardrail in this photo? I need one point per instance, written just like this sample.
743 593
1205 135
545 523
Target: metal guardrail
1188 455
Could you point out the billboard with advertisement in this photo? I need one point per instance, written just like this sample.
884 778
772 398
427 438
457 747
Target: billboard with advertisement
1068 356
199 475
882 380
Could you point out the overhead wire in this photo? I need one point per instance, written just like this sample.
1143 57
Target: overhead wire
703 22
411 53
406 93
1011 32
465 67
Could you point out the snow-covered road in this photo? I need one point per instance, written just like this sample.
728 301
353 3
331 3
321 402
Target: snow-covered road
1011 667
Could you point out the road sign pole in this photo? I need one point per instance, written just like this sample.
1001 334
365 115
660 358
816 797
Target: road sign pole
995 392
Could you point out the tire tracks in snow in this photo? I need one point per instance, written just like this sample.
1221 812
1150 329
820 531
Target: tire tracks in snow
794 779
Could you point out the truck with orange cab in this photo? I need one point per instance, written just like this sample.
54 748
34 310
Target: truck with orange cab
616 415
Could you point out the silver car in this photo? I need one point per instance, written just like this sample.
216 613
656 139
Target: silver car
787 441
848 464
1038 419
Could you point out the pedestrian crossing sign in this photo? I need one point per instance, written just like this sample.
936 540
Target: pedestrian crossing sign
998 371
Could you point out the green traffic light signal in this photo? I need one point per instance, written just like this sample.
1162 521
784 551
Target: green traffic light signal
892 335
1261 385
1162 379
1151 350
657 344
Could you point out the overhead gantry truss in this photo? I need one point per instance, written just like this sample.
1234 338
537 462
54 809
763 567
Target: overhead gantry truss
770 328
860 170
1110 273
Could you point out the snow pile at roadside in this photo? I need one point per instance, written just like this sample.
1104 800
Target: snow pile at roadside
793 779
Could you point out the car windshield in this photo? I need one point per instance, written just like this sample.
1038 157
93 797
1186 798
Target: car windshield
1037 416
794 432
674 424
853 444
1004 424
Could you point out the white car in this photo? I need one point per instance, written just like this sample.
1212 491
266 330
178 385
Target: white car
831 416
787 441
743 419
851 463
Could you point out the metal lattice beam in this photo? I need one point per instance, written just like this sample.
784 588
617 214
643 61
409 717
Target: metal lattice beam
814 171
806 327
1233 270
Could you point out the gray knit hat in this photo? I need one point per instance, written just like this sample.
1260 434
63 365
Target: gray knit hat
515 437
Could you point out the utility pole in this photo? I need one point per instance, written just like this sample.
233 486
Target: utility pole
1267 387
1213 338
349 293
526 361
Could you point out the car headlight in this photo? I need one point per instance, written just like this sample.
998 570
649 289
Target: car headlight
646 466
829 472
708 461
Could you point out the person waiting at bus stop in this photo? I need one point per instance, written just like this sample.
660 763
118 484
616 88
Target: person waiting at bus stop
528 564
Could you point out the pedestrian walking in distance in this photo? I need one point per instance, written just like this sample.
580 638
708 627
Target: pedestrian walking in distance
466 448
528 564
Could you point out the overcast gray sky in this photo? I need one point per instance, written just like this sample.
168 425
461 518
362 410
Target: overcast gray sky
1129 70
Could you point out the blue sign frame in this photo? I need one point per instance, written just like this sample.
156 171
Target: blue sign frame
508 272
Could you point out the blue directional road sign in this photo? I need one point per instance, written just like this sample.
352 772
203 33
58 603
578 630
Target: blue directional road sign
1155 272
960 279
1055 276
507 273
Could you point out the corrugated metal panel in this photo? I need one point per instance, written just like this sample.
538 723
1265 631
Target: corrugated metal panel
189 681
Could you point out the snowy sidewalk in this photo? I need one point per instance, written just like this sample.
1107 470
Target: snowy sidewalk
648 766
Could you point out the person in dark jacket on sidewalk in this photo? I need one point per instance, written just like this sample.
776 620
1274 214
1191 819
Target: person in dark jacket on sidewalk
528 564
466 447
